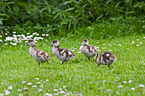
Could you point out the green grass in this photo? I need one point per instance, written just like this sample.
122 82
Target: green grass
78 75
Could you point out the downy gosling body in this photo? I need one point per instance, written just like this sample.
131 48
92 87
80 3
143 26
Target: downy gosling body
62 53
39 55
106 58
88 50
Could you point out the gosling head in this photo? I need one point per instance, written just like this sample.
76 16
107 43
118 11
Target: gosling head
31 42
55 43
85 42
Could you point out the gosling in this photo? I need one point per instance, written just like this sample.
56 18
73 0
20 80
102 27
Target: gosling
61 53
88 50
39 55
106 58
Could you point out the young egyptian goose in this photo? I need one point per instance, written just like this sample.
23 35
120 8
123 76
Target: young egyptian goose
39 55
106 58
88 50
62 53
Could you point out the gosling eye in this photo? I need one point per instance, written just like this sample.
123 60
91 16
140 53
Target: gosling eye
54 42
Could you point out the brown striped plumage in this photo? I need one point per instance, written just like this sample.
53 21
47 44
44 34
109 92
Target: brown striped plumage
88 50
62 53
39 55
106 58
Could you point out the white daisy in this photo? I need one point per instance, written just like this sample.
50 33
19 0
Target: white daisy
48 94
132 88
19 90
141 85
60 88
43 34
47 80
40 90
37 78
47 34
23 81
119 86
104 80
7 92
124 82
34 86
64 86
38 83
10 87
29 83
20 94
56 94
25 88
62 92
108 89
55 90
129 81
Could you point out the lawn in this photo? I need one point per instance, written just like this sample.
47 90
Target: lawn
22 76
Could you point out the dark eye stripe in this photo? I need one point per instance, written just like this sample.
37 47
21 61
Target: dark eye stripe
85 40
54 41
31 41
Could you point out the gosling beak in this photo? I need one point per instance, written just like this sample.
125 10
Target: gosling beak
27 44
51 45
83 43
